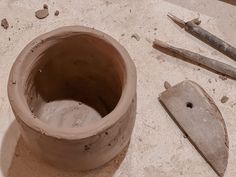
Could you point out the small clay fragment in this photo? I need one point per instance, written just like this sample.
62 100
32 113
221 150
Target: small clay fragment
40 14
167 85
136 36
4 23
224 99
223 77
56 13
45 6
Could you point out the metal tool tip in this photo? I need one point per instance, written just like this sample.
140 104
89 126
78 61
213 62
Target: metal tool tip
157 44
177 20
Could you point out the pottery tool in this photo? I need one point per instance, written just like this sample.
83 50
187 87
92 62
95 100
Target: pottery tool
199 118
193 28
212 64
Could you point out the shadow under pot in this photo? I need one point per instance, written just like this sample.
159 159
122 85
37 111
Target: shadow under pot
73 93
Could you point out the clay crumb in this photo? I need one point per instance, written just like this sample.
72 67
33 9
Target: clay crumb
56 13
140 139
167 85
185 135
86 147
224 99
45 6
41 14
4 23
223 77
136 36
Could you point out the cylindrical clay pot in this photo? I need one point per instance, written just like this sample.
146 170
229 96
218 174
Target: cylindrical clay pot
73 92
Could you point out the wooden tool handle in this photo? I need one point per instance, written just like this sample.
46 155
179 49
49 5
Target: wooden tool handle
211 39
215 65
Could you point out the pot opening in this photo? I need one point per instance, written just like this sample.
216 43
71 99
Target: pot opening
75 81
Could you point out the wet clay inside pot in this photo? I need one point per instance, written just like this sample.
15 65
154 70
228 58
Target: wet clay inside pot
76 80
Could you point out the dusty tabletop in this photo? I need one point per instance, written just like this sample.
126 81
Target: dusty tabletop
157 146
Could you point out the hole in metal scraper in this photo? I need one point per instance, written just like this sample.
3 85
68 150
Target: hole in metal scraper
189 105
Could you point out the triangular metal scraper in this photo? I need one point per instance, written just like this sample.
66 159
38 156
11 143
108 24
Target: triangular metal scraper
198 117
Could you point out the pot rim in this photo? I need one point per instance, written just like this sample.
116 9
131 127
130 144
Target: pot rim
21 108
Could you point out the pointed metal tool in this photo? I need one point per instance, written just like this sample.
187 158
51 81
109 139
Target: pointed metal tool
193 28
193 57
199 118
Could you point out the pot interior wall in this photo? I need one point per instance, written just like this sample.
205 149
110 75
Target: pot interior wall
78 77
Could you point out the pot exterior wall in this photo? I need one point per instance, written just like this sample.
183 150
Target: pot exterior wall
82 154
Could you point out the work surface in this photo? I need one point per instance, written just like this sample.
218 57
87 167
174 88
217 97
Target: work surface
158 147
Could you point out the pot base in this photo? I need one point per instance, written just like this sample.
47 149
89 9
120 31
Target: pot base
67 114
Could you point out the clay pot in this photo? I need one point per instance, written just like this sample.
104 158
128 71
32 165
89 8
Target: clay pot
73 93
